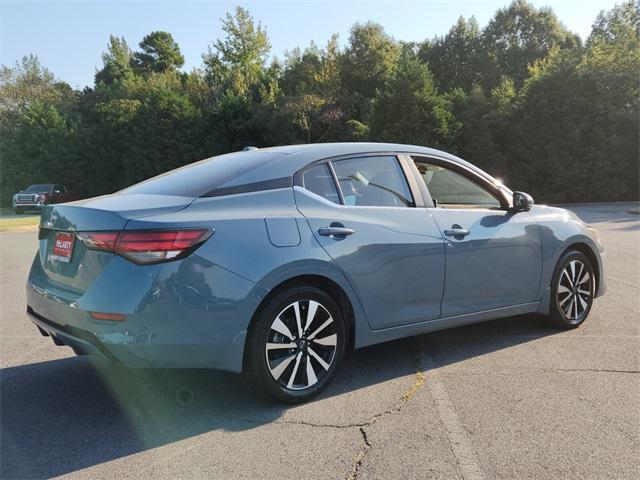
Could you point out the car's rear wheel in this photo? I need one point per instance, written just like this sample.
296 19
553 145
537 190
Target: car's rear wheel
572 290
296 344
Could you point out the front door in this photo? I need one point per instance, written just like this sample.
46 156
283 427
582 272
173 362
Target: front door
493 255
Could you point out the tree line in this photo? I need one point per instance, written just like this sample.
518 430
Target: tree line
523 98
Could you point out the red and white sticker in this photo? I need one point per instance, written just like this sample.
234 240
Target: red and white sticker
63 246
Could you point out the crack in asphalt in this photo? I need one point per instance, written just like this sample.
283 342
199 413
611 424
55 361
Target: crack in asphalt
419 381
357 461
470 470
420 378
533 370
408 395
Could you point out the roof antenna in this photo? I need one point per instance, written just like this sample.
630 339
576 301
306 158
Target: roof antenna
249 148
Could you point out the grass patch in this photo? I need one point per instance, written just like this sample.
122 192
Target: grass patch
19 223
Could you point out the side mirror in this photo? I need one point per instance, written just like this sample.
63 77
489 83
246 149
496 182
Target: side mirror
522 202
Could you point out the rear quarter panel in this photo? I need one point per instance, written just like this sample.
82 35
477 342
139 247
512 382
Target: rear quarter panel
259 236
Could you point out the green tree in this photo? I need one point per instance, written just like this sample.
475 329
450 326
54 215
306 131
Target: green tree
39 148
519 35
573 129
28 82
311 86
149 125
613 51
522 99
160 53
410 109
620 23
484 126
37 126
117 61
458 59
244 91
368 63
237 62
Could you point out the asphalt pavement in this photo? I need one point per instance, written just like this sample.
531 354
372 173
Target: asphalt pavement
514 398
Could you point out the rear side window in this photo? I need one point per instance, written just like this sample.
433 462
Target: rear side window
373 181
320 181
204 177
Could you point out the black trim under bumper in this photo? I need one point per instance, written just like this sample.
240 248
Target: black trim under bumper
81 341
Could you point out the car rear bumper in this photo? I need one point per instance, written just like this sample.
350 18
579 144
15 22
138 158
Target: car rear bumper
164 329
82 342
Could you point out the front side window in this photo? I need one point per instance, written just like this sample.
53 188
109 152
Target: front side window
373 181
319 181
450 189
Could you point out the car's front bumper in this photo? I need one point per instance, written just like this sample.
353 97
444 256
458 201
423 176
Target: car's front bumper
27 206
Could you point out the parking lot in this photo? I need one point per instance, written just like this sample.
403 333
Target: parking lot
513 398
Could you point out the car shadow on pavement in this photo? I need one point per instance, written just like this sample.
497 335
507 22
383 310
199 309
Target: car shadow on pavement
65 415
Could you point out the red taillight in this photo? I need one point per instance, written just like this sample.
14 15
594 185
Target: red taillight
159 240
158 246
99 240
147 246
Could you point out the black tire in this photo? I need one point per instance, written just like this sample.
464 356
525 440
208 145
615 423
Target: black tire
19 211
303 350
571 302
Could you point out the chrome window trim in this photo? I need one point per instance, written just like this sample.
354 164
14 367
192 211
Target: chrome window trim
416 198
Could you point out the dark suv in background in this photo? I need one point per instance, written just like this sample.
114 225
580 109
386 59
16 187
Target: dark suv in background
35 196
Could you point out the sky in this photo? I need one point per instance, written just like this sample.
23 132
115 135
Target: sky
70 36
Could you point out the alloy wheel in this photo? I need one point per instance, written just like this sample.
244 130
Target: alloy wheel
575 291
301 345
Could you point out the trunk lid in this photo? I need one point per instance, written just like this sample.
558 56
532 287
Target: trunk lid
71 277
109 212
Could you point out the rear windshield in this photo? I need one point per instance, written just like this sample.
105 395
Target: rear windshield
38 188
200 178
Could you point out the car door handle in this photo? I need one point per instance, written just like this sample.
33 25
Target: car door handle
456 232
335 231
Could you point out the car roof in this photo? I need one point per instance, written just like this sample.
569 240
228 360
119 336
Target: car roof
224 173
296 157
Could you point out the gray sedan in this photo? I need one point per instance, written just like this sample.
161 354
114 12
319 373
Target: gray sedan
275 262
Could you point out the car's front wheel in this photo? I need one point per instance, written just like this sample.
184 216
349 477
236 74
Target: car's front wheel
18 210
572 290
296 343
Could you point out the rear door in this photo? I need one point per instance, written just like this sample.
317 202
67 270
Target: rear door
391 252
493 255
